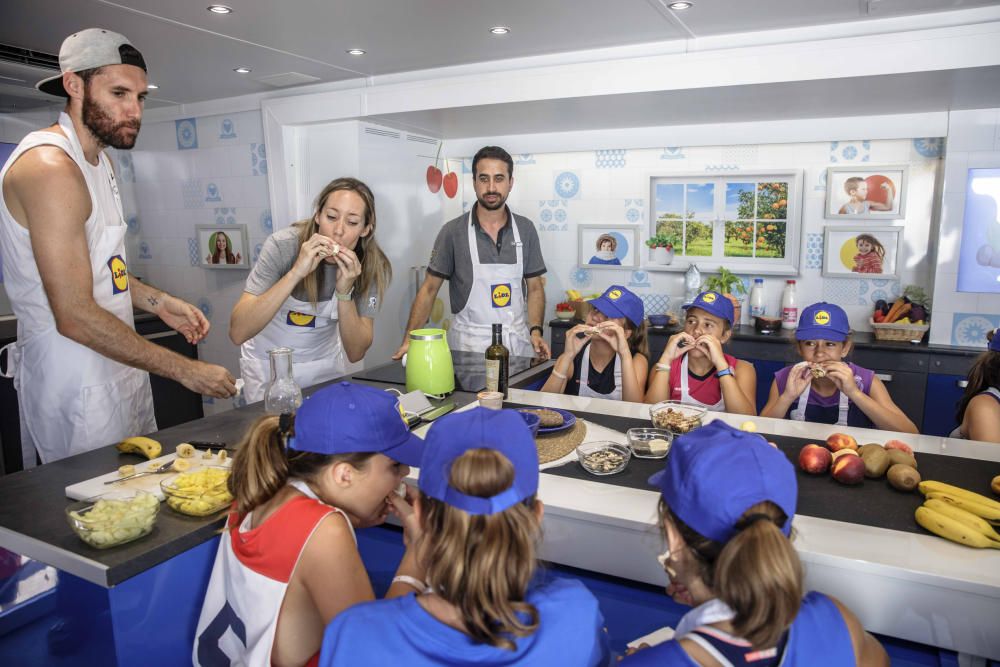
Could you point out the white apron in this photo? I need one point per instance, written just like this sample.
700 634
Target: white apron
843 405
686 397
312 333
240 614
71 398
496 297
586 391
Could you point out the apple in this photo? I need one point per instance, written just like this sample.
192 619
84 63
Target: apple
839 441
844 452
899 444
815 459
433 178
451 184
849 470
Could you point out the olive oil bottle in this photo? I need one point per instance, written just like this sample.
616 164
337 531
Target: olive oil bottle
497 363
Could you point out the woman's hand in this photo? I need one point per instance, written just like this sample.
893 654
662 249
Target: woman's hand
614 335
843 377
348 270
712 347
312 252
402 509
799 378
674 349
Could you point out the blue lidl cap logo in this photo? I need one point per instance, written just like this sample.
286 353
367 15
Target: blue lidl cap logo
119 274
615 294
501 295
300 319
708 297
821 317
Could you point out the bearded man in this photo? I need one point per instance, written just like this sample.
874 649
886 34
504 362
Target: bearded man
80 369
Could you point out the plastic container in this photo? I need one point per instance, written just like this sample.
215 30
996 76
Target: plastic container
757 308
199 493
114 518
603 457
676 417
644 445
789 306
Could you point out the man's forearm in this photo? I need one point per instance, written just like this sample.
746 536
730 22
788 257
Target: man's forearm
145 296
420 311
536 306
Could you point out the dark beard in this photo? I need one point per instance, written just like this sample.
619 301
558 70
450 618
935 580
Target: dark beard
105 130
492 207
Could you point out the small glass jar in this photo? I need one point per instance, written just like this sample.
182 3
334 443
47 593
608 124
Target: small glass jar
282 393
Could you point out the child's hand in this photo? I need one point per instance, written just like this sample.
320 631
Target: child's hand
843 377
798 379
713 348
678 345
574 341
402 509
614 334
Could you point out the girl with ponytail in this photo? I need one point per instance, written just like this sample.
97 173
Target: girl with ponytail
728 499
979 410
288 561
482 601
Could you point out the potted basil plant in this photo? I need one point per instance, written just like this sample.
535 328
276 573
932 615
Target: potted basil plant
663 247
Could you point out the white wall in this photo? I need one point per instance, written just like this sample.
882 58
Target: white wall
962 318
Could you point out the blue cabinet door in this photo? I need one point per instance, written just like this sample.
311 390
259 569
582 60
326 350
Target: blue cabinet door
943 394
765 376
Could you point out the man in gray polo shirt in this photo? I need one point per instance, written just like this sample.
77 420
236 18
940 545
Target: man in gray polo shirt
488 256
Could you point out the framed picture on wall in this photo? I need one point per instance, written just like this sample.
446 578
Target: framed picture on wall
862 251
608 246
866 192
223 246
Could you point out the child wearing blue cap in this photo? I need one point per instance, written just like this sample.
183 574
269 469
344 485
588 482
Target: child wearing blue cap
979 410
289 562
694 370
607 357
482 603
823 388
726 508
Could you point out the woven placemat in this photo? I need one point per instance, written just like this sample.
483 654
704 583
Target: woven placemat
553 446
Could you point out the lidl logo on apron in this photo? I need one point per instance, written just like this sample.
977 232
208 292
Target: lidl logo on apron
119 274
300 320
822 317
501 295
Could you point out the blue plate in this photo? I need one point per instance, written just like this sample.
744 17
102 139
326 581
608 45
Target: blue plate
568 419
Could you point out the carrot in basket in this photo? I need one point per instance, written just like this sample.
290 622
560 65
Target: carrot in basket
903 312
891 316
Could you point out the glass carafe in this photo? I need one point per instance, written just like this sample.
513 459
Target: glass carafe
282 394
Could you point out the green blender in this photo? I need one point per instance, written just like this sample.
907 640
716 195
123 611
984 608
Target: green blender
428 363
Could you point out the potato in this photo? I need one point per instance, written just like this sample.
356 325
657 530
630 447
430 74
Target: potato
899 456
903 477
876 460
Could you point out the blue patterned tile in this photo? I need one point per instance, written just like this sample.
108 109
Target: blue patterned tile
567 185
132 223
655 304
843 291
258 160
970 328
187 133
610 159
672 153
265 221
256 252
225 216
850 151
192 193
193 255
814 251
821 182
205 306
212 193
524 158
144 250
546 215
227 129
581 277
126 172
929 147
639 279
467 165
722 167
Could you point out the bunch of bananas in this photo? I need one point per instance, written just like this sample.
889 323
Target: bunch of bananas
959 515
573 295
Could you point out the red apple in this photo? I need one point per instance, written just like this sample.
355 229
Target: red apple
814 459
899 444
839 441
433 178
451 184
849 470
844 452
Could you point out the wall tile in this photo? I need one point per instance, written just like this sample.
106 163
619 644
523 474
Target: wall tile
187 133
566 185
970 328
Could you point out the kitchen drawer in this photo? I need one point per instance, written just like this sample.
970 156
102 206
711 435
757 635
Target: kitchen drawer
907 390
891 359
950 364
943 394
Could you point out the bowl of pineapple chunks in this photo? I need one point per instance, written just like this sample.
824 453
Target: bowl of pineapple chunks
198 493
114 518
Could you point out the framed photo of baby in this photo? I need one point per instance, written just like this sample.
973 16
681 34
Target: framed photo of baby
608 246
862 251
222 246
866 193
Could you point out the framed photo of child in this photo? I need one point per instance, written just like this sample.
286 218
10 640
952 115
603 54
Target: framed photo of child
866 192
222 246
608 246
862 251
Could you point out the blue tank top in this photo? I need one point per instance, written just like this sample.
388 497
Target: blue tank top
818 637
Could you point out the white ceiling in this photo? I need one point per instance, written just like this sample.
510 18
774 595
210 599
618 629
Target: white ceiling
191 53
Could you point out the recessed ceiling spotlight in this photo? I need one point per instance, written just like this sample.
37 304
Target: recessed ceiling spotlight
499 30
356 52
152 86
242 70
220 9
677 6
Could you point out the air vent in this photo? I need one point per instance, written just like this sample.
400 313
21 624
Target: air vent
39 59
421 140
382 133
287 79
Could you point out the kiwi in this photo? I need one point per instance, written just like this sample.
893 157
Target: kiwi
903 477
899 456
876 460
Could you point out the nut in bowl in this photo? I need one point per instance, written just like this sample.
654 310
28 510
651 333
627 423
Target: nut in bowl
114 518
602 457
676 417
649 443
199 493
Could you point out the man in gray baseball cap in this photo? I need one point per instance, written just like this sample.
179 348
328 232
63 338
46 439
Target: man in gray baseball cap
80 369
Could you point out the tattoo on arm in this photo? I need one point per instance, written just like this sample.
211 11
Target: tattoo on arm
152 301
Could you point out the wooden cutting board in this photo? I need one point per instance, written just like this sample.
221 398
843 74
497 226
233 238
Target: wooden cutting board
151 483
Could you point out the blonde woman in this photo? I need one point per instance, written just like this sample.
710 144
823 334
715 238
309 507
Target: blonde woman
315 289
482 601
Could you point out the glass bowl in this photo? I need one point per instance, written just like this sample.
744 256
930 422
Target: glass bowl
114 518
676 417
198 493
644 445
603 457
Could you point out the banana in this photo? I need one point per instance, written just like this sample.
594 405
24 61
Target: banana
185 450
573 295
950 529
140 445
958 492
181 465
962 516
979 509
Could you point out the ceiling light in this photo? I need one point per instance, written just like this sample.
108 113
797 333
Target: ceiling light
677 6
499 30
242 70
152 86
220 9
356 52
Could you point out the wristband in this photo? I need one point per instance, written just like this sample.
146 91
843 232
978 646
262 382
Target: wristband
663 368
344 297
532 330
558 374
410 581
724 372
